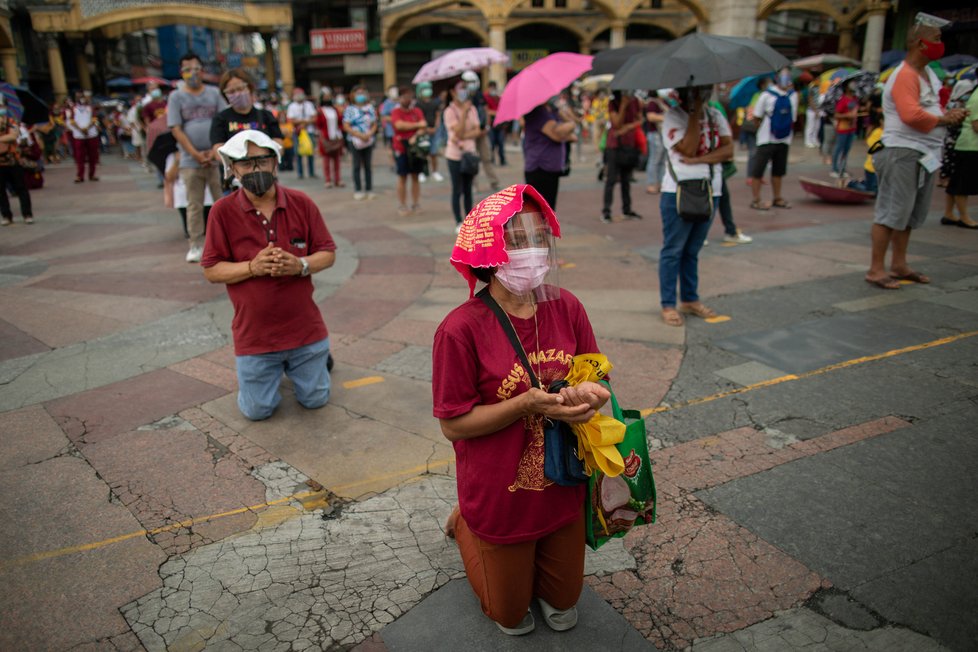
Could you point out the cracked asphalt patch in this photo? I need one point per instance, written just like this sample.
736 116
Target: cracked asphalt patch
306 583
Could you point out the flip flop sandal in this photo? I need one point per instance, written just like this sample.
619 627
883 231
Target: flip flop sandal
700 311
758 206
884 284
780 203
916 277
671 317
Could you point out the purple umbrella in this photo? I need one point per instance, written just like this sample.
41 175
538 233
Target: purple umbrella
456 62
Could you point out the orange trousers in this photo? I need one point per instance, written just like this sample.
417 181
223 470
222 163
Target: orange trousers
506 577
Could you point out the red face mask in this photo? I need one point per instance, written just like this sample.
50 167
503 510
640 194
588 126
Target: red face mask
933 51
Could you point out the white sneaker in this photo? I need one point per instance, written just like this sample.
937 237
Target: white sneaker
706 243
422 177
834 174
740 238
371 195
559 621
359 195
193 256
458 228
437 176
525 627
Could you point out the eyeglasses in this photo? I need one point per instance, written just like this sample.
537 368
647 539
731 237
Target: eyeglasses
265 162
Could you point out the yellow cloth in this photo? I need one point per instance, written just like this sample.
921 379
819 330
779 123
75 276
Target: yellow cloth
871 140
596 439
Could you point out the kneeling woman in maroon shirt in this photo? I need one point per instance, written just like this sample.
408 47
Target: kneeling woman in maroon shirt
520 535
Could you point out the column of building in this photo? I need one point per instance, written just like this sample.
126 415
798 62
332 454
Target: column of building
285 64
875 26
56 67
497 40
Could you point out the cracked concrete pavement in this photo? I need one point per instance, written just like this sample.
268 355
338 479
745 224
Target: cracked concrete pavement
813 452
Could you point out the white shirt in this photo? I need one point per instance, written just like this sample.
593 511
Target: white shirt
897 133
764 107
673 130
332 122
304 110
83 115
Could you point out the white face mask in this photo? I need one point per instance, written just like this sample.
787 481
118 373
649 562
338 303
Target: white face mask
525 271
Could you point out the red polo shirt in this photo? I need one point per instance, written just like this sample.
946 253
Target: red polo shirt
270 313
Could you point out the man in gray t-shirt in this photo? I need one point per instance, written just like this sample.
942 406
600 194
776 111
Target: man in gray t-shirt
189 112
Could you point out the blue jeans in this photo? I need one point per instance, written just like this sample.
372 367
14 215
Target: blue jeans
869 184
840 155
259 377
497 143
656 167
679 258
298 159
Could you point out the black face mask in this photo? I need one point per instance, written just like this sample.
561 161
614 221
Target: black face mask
258 183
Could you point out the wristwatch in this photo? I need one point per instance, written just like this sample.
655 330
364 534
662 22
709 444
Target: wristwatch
305 267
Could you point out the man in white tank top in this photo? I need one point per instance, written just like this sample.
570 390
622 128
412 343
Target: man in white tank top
913 131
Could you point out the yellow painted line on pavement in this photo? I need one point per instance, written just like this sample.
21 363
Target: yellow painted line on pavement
49 554
60 552
338 489
363 382
808 374
719 319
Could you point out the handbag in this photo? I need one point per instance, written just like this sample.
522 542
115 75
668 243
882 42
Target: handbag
469 164
614 505
305 144
562 464
694 197
332 145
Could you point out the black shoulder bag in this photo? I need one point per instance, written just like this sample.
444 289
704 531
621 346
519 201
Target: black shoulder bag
560 462
694 197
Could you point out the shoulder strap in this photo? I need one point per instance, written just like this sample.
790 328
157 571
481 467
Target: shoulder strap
507 325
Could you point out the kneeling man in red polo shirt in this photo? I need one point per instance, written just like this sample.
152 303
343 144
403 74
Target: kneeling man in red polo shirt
265 242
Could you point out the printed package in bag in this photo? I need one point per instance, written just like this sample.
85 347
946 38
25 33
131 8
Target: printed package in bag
614 505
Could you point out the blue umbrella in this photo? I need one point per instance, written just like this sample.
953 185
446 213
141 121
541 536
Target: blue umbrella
14 106
891 58
957 61
743 91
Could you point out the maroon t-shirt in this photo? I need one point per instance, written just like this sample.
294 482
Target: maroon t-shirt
270 313
502 492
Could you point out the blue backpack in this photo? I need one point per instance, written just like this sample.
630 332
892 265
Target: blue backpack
781 121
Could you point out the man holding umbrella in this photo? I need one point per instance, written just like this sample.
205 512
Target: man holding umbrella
913 133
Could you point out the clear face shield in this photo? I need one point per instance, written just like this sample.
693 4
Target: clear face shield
531 273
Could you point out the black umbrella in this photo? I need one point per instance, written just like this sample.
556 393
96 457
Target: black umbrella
607 62
35 109
698 60
163 145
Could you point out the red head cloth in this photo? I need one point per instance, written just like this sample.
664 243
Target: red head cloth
480 242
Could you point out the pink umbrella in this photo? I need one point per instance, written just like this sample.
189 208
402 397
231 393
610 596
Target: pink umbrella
458 61
538 82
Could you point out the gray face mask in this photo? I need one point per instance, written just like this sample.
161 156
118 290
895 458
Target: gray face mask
258 182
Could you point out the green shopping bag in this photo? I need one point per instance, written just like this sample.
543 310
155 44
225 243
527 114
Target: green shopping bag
614 505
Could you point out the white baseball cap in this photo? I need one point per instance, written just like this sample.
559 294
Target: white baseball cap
237 147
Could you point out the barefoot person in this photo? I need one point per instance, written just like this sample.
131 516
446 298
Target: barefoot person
913 132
